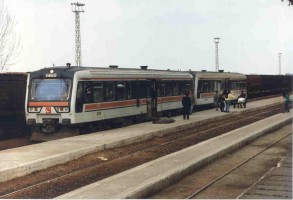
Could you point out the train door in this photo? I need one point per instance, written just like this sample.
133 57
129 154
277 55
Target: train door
153 96
217 86
84 95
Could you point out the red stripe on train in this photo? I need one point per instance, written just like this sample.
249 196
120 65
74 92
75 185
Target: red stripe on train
47 104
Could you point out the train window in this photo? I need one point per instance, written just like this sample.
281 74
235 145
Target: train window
98 92
163 89
227 84
128 90
218 86
187 87
184 86
79 98
237 85
143 92
121 90
50 89
79 92
169 90
175 89
243 85
181 86
109 90
139 89
205 86
134 89
88 92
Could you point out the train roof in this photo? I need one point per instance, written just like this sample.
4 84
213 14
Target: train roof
112 72
218 75
269 75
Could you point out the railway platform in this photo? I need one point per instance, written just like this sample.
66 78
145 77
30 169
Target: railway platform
25 160
276 184
153 176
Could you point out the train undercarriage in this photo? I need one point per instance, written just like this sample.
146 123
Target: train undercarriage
50 129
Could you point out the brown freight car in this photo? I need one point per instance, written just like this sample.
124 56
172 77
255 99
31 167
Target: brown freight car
12 100
266 85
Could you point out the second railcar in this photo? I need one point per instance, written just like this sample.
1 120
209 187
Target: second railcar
206 83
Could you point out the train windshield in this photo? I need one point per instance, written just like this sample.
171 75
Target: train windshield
50 89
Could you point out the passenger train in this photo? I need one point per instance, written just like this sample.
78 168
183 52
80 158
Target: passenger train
84 97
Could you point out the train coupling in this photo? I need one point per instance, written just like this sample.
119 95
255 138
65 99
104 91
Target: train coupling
49 126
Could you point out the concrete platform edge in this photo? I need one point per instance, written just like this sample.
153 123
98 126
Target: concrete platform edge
163 182
40 164
166 179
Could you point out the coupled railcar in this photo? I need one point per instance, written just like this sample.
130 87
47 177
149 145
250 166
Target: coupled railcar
206 83
84 97
75 96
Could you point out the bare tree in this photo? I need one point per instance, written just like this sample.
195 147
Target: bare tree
290 2
9 42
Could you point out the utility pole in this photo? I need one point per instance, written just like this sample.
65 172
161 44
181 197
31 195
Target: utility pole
280 54
77 8
217 40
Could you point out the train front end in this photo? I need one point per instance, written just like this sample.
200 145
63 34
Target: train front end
48 104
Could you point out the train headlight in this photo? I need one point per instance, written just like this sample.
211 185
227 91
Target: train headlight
62 109
34 109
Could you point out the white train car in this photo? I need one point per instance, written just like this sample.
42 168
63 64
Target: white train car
207 83
81 97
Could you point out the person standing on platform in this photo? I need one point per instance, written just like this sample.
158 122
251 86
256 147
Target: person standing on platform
186 103
216 100
286 102
228 98
191 107
241 100
222 102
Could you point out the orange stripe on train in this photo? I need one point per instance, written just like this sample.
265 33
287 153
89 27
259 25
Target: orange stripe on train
170 99
47 104
110 105
115 104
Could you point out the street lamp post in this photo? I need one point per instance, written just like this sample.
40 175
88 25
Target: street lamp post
280 54
217 40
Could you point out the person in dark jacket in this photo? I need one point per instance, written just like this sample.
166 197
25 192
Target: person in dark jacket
286 102
222 102
186 103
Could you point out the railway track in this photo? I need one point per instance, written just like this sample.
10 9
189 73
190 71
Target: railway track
15 142
237 167
63 178
231 176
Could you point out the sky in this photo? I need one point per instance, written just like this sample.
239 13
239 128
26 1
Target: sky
162 34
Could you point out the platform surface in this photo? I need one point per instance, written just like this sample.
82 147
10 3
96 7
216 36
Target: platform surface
25 160
276 184
153 176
